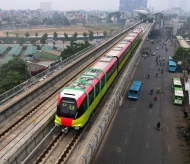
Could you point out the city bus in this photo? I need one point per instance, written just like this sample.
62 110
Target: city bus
178 96
176 83
134 90
171 66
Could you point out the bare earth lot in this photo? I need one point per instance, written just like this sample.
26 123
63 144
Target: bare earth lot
60 30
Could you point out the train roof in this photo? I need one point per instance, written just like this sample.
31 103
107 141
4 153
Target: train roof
85 81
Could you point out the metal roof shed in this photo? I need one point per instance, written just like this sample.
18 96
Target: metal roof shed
45 48
15 50
30 50
3 49
7 59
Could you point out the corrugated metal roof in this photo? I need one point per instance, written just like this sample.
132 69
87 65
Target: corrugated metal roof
15 50
30 50
6 59
3 49
47 48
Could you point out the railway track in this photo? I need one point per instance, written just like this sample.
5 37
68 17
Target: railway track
61 147
58 150
28 117
13 127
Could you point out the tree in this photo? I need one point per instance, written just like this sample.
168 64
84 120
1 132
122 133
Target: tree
66 36
105 33
27 35
12 74
75 36
91 35
7 33
85 35
55 36
73 49
44 38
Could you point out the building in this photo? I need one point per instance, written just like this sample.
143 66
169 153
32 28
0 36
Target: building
45 6
130 5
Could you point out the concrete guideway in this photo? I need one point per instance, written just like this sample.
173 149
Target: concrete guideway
22 142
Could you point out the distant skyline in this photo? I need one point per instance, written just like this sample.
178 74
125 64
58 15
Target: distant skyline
65 5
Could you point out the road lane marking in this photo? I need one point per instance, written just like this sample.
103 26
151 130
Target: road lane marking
149 126
150 111
125 141
166 113
166 102
168 148
167 128
130 123
147 144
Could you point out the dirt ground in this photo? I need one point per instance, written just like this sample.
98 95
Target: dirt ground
60 30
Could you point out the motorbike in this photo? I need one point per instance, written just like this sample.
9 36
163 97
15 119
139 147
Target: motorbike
155 98
151 92
158 90
151 104
158 126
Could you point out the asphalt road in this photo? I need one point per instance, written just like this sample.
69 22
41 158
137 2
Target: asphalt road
132 137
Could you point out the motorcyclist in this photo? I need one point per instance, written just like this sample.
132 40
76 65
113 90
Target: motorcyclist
148 76
158 90
155 98
158 125
156 74
151 91
151 104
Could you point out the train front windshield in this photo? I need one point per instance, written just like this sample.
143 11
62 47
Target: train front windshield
67 108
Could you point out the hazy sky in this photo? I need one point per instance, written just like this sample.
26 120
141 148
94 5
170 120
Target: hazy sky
75 4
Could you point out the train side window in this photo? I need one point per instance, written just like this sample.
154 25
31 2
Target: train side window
84 104
103 81
91 96
97 88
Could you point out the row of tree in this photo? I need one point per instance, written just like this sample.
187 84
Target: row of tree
43 39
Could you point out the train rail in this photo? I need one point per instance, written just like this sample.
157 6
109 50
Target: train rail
66 143
29 118
31 114
59 148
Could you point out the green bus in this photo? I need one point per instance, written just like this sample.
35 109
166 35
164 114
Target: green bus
176 83
178 96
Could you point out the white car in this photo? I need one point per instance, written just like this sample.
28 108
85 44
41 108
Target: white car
153 53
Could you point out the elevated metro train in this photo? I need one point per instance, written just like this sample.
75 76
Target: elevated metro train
80 97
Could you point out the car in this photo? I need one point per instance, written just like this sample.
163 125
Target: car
157 48
153 53
145 54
